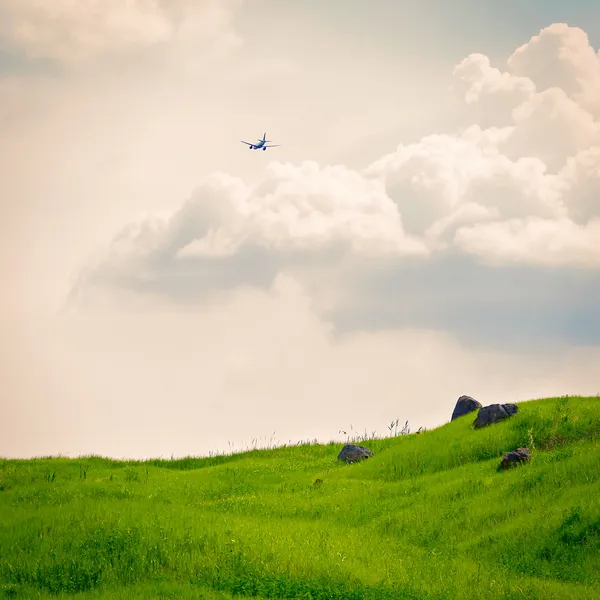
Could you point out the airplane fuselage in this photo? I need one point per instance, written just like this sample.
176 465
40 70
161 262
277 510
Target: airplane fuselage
260 144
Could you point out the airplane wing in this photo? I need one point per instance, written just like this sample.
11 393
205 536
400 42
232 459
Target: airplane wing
271 146
249 144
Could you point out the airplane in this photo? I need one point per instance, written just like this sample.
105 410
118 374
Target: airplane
260 144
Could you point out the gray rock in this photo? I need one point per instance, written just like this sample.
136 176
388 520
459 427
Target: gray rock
511 459
351 453
465 405
494 413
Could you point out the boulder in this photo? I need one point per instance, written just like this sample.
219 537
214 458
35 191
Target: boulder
464 405
494 413
511 459
351 453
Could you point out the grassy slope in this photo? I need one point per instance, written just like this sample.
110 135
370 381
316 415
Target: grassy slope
430 516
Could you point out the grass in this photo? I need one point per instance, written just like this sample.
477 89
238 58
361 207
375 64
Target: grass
430 516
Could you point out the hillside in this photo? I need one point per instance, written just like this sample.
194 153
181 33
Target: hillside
429 516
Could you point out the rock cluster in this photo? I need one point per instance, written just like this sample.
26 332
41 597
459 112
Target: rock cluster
486 415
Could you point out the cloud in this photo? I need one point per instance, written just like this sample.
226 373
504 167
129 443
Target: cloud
544 242
72 32
300 217
308 207
489 202
551 99
581 178
493 93
552 127
446 179
561 57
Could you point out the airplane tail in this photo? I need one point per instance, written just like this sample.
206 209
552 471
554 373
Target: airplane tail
264 137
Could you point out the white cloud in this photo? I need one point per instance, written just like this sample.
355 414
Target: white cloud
551 127
519 193
314 222
551 99
445 178
541 242
561 56
492 92
581 177
309 206
294 209
72 32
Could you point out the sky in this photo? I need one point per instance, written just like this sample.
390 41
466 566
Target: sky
428 228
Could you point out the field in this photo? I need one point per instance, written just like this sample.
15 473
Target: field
430 516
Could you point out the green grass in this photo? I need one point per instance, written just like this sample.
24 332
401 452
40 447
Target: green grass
429 516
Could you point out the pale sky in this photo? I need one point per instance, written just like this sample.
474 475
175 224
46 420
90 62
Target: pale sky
429 227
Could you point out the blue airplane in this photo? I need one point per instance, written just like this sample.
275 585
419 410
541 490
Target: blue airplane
260 144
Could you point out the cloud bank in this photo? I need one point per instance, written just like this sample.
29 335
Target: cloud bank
516 192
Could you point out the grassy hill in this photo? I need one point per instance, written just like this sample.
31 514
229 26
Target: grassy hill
429 516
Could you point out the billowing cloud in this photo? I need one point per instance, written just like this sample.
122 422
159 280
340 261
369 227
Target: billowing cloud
520 193
552 127
550 98
561 57
71 32
493 93
443 180
304 219
302 208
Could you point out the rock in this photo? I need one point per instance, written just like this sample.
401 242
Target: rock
351 453
511 459
464 405
494 413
